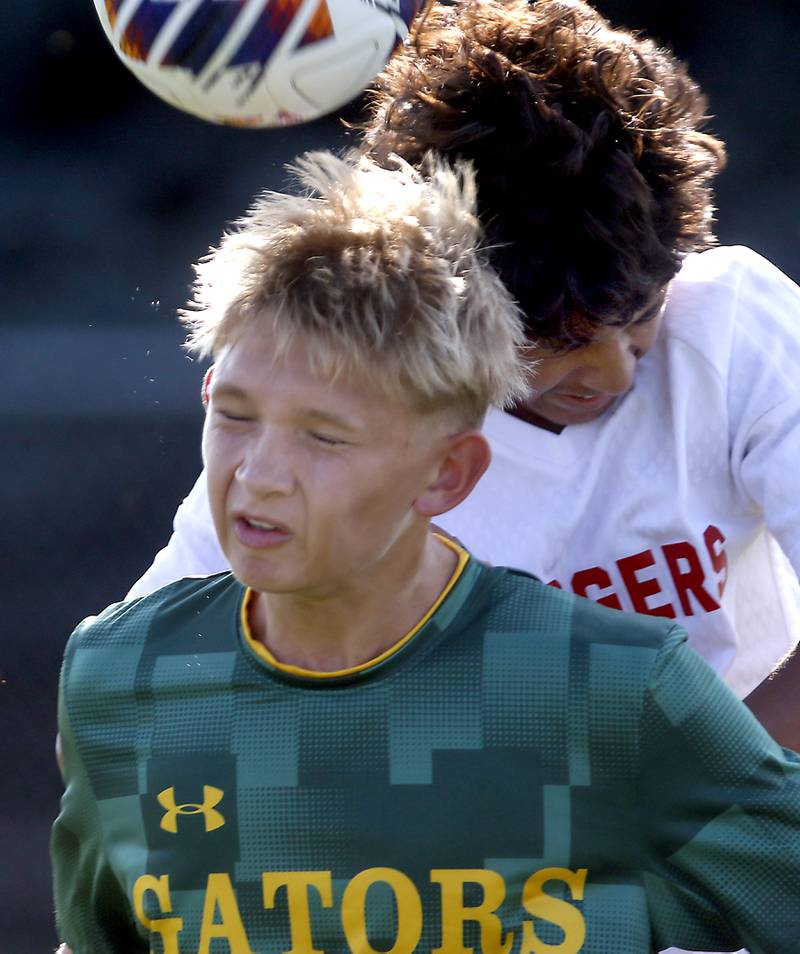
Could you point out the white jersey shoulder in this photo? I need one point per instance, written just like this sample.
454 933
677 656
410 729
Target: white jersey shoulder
192 550
671 503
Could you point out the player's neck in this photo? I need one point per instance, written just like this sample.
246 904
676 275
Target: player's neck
360 621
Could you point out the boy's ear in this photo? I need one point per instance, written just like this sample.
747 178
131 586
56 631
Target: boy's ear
204 388
465 459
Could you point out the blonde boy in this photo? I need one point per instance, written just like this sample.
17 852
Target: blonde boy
362 739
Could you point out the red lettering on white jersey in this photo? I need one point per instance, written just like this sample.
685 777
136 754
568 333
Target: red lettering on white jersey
595 577
686 578
715 540
640 590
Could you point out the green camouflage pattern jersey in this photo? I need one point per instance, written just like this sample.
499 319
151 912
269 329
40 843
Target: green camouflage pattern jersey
529 772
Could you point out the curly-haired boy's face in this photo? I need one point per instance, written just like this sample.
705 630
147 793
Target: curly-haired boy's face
573 387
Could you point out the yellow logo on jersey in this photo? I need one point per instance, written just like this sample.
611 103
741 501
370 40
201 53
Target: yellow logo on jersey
211 798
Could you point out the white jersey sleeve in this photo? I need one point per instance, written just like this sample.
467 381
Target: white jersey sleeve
764 394
193 548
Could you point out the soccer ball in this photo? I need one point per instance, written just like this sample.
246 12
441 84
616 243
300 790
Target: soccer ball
256 62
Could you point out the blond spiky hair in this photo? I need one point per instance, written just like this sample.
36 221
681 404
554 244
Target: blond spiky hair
378 270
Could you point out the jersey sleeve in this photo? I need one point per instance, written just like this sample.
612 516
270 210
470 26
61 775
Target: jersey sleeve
92 913
193 548
764 396
719 804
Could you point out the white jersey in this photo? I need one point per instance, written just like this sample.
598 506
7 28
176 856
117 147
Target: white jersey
683 500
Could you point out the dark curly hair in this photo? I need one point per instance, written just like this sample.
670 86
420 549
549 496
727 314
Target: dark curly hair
594 179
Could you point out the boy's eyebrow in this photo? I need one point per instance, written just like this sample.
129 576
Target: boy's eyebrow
326 417
230 390
224 389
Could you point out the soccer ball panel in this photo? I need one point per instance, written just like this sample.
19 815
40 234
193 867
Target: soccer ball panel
255 62
323 78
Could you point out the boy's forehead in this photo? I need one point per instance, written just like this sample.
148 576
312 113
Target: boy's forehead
257 360
253 368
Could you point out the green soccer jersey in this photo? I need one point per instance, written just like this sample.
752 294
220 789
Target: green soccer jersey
527 772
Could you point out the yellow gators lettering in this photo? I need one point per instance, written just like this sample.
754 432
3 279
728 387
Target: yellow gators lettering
297 884
409 910
168 928
305 890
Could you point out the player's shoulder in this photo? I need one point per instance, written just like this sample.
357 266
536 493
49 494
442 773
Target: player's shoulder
724 286
722 303
703 295
131 623
521 601
725 265
141 642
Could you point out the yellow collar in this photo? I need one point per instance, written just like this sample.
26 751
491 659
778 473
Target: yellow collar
263 653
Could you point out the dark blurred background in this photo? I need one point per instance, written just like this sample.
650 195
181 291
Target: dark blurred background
108 196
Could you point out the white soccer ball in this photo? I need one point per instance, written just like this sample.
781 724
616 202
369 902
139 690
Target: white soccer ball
256 62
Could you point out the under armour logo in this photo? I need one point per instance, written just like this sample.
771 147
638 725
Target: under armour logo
211 797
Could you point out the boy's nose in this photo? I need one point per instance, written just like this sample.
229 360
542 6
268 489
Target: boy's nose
612 365
265 467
